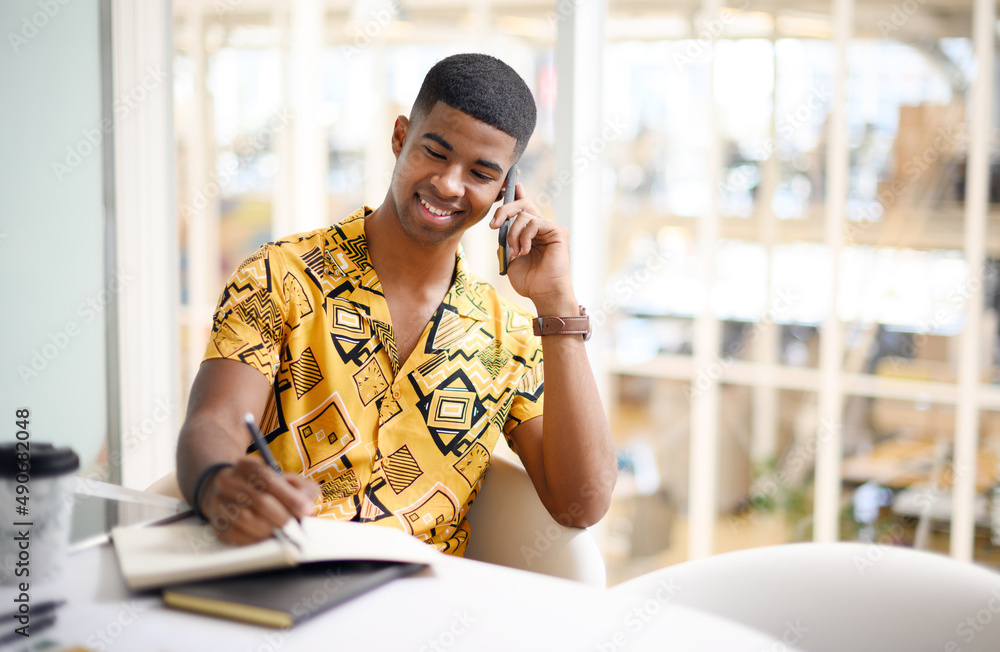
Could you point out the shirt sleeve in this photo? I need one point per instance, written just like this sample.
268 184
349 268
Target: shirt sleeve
249 322
528 398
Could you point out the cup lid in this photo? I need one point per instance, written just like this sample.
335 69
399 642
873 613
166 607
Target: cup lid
46 460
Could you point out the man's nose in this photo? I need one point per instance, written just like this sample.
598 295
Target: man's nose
448 182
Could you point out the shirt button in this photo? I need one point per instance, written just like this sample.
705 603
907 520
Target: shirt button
396 393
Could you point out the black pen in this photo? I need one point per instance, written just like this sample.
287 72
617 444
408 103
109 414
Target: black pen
265 452
43 621
258 441
35 610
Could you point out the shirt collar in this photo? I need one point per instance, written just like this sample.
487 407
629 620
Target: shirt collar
354 263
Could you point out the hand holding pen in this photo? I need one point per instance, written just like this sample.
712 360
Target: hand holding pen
247 501
286 533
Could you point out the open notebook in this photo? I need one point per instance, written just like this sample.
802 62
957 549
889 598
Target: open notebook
154 557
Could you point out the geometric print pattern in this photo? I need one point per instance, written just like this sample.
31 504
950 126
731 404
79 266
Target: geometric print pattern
494 358
401 469
340 487
306 373
395 443
474 463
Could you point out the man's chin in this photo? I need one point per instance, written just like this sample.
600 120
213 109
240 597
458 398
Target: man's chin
424 234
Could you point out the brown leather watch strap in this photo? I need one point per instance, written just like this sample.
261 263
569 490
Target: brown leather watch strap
563 325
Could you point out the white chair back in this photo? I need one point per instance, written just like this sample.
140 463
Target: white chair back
844 596
511 527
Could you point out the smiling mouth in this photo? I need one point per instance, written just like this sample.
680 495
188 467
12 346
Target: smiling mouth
436 212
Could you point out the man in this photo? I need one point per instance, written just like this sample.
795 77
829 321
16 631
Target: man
382 373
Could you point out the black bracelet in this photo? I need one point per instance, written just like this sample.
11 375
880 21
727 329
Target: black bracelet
206 473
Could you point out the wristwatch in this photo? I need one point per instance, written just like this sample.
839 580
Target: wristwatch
563 325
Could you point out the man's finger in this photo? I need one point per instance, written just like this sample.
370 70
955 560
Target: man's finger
522 233
233 533
270 511
230 522
266 481
306 486
510 210
527 234
295 501
250 500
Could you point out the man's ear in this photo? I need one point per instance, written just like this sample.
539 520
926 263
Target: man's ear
399 131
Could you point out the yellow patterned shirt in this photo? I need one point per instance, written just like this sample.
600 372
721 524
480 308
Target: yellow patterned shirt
400 444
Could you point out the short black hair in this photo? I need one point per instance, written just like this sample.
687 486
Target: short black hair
483 87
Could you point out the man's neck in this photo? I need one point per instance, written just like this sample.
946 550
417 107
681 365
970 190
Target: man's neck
402 263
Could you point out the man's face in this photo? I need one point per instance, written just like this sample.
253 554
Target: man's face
449 170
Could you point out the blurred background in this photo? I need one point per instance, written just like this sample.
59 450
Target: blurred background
784 218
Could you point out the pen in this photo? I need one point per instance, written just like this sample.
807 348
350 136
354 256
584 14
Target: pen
258 441
35 610
43 621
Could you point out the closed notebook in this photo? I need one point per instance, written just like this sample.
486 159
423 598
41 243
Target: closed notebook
281 598
159 556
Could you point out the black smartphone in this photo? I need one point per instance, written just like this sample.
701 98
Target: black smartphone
503 253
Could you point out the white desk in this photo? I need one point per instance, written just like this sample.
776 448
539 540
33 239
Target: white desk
459 604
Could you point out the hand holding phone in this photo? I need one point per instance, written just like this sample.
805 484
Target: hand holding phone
503 253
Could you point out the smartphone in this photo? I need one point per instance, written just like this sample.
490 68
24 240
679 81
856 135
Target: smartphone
503 253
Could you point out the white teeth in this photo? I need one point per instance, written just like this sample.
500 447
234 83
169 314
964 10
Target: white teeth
435 211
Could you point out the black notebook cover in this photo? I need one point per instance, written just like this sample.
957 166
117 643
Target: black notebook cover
281 598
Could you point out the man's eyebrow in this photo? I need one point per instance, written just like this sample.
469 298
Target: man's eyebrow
489 164
439 140
444 143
